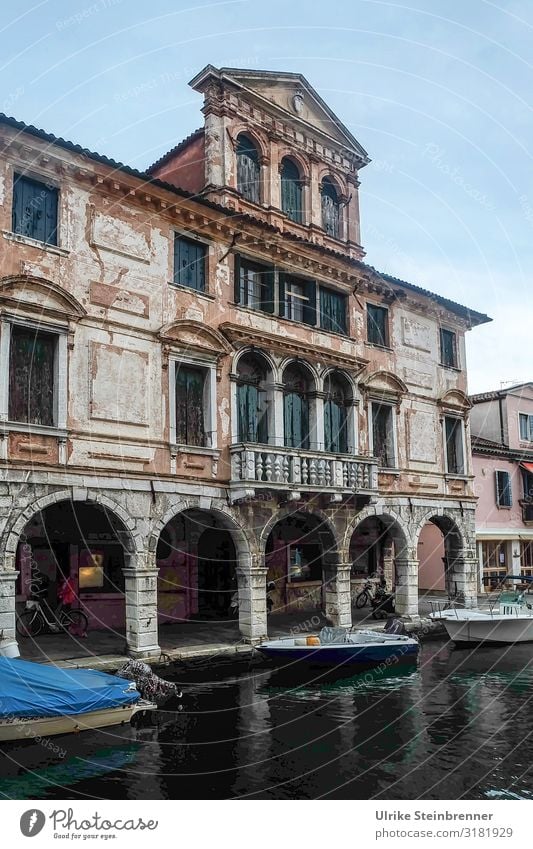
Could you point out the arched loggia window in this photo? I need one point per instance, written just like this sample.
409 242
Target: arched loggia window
291 191
336 414
296 406
248 169
252 413
331 218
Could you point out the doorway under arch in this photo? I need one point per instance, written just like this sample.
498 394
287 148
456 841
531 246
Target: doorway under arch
197 559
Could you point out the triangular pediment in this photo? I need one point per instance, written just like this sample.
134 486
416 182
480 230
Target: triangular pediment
193 335
291 96
36 295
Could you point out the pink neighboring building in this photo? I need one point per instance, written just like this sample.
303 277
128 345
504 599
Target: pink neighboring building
502 452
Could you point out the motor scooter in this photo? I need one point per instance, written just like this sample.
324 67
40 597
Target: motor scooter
382 604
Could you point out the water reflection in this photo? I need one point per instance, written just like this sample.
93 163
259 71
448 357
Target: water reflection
455 726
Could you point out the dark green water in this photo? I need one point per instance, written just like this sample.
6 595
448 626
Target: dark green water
457 726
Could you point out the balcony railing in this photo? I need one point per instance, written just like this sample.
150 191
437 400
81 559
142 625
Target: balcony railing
291 469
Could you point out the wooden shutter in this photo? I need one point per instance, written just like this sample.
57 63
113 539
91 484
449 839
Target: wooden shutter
248 171
237 270
291 191
309 310
34 210
31 376
503 489
190 406
189 263
281 293
268 290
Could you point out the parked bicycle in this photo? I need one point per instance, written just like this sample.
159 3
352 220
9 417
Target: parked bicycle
35 619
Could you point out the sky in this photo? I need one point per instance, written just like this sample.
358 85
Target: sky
439 92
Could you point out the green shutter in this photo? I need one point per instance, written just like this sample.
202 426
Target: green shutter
237 278
309 310
281 293
267 301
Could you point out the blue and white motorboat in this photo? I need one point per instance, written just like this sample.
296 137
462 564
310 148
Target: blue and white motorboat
38 700
334 647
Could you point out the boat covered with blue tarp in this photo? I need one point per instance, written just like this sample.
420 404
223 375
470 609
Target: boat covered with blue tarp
36 690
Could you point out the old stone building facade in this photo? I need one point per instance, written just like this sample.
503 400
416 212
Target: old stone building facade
204 387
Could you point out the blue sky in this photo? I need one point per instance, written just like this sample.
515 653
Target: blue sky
440 94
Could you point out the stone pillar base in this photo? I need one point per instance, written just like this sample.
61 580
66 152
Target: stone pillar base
406 592
252 604
338 595
8 639
141 612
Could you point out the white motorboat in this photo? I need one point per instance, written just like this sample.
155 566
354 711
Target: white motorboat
509 620
29 728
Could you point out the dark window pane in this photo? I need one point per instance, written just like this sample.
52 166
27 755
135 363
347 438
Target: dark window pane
332 310
454 446
330 209
189 263
377 325
503 489
248 170
448 350
291 191
35 210
382 435
190 406
31 376
296 407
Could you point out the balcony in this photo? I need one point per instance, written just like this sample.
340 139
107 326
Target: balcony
291 470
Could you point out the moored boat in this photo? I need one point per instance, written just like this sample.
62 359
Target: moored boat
334 647
508 620
39 700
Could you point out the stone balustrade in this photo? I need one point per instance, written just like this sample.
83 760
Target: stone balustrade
261 467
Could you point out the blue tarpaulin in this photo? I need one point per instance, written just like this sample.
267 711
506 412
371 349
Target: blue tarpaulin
33 689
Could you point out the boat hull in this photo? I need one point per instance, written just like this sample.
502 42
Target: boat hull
490 629
342 655
17 728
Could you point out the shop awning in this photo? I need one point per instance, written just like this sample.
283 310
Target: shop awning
528 467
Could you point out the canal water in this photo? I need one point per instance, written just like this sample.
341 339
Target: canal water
456 726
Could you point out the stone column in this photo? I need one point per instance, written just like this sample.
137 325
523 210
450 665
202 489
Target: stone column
8 640
462 576
251 584
338 594
141 610
406 592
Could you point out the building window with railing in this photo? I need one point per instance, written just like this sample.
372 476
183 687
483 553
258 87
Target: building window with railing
248 169
336 400
296 406
252 406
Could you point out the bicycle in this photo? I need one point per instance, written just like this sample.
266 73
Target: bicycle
34 620
365 596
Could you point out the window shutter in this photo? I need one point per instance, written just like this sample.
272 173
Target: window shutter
237 278
309 310
268 290
281 294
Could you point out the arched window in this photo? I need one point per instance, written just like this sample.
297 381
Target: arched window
248 170
336 414
330 209
291 191
251 400
296 406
